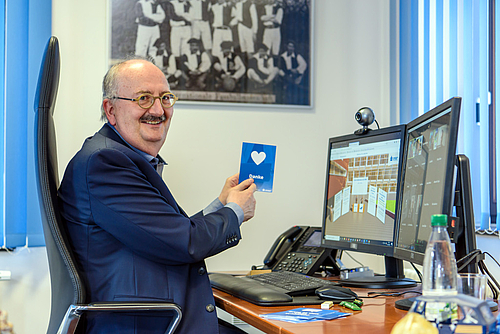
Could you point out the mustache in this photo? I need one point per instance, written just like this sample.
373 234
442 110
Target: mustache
150 118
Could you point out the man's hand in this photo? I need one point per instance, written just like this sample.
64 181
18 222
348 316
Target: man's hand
231 182
242 194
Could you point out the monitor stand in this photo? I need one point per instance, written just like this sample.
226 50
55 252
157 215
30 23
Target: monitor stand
394 278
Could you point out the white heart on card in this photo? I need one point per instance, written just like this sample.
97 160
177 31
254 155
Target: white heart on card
258 157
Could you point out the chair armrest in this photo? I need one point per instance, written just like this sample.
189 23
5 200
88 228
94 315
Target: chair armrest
74 312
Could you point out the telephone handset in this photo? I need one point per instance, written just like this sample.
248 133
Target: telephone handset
298 249
281 245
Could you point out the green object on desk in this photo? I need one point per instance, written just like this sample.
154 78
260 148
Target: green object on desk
350 305
358 302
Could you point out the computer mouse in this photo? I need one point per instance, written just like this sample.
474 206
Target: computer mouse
336 294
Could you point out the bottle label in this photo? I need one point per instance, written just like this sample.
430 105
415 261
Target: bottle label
441 312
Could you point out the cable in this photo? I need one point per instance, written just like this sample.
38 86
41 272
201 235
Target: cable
419 274
338 255
478 256
475 255
362 265
486 253
491 280
388 294
259 267
496 286
378 126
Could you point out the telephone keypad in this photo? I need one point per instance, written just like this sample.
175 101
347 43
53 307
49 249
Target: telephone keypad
297 262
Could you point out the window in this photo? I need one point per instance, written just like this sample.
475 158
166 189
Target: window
445 51
27 28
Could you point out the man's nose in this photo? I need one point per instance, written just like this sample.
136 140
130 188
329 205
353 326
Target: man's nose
156 108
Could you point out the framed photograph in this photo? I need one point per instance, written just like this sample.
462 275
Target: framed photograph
222 51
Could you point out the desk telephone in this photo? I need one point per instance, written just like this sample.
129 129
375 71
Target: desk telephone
298 249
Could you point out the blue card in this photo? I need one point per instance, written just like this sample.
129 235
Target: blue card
257 162
300 315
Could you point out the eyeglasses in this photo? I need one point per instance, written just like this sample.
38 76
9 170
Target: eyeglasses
146 100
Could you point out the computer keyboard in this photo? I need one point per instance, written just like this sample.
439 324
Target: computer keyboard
271 289
294 283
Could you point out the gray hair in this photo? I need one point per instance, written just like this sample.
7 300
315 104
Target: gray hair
110 83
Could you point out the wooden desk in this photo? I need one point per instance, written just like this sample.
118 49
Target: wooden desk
378 316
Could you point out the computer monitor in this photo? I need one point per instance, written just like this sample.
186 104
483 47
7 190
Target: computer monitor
435 181
428 177
361 197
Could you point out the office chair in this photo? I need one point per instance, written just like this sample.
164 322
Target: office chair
68 291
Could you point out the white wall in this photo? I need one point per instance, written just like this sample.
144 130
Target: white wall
351 70
203 146
26 296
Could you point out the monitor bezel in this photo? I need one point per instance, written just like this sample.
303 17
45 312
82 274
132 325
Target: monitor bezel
454 105
363 248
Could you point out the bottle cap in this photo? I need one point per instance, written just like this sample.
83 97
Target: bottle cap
439 220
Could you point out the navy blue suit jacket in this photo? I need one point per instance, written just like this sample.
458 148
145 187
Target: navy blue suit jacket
134 243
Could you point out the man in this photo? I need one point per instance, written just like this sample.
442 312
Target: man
180 26
229 69
195 65
169 65
132 241
148 16
261 70
271 20
161 58
244 18
200 26
292 65
292 70
221 13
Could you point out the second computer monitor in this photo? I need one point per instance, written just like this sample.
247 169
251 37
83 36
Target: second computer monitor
428 177
362 183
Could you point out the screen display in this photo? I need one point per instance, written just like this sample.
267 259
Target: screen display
314 240
424 180
361 191
429 169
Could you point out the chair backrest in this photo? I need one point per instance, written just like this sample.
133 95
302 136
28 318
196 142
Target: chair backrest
66 284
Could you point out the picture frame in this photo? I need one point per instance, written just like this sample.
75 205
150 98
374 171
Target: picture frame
252 52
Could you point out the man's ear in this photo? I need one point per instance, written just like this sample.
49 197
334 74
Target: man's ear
109 109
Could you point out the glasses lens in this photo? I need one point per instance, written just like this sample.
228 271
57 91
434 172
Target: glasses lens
168 99
145 101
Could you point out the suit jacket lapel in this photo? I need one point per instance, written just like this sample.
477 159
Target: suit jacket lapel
152 175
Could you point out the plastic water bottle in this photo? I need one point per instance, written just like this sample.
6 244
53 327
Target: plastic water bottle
440 267
439 272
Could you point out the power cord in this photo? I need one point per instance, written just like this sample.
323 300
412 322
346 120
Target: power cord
475 255
373 294
479 256
492 282
362 265
419 274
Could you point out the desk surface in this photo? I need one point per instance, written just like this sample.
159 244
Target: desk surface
377 316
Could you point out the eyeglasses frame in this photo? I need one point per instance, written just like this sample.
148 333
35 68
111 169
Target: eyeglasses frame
175 98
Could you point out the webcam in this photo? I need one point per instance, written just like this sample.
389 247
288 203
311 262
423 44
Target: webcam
365 117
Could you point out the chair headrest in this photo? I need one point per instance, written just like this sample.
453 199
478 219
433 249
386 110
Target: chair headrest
48 80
